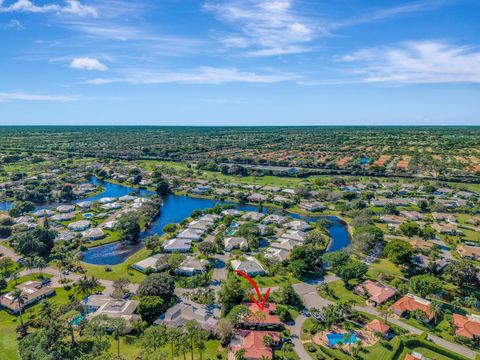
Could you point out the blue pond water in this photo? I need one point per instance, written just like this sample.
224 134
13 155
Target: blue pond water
335 338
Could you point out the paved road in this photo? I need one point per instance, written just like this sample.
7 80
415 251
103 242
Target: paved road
295 332
7 252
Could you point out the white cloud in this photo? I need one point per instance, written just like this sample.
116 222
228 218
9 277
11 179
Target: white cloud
14 24
34 97
416 62
266 27
202 75
73 7
87 63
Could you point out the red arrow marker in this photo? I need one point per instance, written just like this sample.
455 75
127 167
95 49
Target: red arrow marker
260 302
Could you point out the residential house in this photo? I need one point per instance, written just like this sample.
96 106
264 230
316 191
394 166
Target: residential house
276 254
253 345
311 206
377 293
106 200
110 225
393 219
378 326
93 234
63 217
253 216
231 243
295 235
81 225
262 318
157 262
444 217
450 229
471 252
65 209
467 326
84 205
179 245
249 266
200 225
43 213
191 234
191 266
33 291
179 314
298 225
410 303
257 198
112 308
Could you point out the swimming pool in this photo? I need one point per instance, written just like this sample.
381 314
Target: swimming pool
231 232
335 338
88 215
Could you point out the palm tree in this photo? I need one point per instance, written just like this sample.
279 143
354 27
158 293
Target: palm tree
84 286
470 301
268 342
47 309
29 264
240 354
19 297
457 303
173 335
435 310
40 263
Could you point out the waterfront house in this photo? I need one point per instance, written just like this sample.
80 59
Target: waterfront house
179 245
157 262
93 234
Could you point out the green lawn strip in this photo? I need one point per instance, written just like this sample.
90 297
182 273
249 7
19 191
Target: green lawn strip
384 266
130 349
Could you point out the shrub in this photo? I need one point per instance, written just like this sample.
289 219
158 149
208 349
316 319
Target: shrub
311 348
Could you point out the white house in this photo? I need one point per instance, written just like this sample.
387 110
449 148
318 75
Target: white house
65 208
180 245
81 225
93 234
231 243
191 266
249 266
190 234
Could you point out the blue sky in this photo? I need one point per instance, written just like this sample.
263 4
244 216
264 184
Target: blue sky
245 62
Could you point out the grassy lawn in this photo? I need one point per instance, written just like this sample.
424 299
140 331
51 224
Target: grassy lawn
277 280
384 266
8 322
120 270
340 293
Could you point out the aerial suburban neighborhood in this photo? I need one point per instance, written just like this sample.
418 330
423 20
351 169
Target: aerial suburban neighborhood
123 258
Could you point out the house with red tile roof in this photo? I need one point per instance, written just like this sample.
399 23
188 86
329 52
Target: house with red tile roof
468 326
253 344
263 318
410 303
377 293
378 326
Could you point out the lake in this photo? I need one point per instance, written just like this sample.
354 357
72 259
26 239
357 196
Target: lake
176 208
